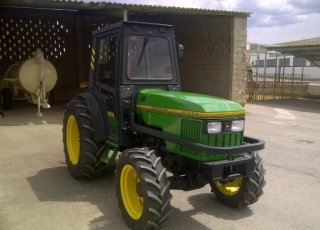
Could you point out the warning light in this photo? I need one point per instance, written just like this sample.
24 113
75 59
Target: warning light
133 38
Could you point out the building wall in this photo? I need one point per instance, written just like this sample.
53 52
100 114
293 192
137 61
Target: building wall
205 65
64 37
213 61
22 31
308 70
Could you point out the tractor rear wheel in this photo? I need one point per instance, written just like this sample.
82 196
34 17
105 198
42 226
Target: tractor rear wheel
81 151
243 191
142 189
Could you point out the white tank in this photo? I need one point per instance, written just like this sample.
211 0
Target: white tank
27 75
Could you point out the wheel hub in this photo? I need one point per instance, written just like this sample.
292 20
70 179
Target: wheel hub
131 192
230 188
73 143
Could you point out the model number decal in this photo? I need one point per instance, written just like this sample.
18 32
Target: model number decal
158 109
191 113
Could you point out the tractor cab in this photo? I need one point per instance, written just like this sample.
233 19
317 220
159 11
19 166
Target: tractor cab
128 57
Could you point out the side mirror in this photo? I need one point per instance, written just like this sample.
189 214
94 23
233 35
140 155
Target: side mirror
180 50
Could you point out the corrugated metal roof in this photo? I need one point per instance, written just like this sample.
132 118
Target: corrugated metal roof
303 42
293 46
310 52
93 5
309 41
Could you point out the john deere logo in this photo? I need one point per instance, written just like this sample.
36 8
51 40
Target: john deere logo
227 126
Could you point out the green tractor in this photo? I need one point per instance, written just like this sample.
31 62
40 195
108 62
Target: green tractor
134 113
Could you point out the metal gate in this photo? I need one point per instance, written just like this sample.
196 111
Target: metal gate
272 87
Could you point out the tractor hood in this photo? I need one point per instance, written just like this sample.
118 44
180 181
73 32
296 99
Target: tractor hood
187 104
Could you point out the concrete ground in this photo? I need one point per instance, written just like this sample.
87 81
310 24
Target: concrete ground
37 192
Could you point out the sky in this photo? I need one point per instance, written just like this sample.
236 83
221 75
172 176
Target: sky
271 22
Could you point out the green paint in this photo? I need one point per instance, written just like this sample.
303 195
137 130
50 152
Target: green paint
186 101
113 127
187 127
105 156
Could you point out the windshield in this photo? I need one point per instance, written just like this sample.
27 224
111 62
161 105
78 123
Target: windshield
149 58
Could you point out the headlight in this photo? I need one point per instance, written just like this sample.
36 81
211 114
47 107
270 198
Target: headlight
237 125
214 127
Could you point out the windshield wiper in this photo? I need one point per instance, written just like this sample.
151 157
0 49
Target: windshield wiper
146 40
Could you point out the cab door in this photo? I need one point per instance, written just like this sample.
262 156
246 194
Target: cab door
107 80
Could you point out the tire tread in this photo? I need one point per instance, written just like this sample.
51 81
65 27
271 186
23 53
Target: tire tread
89 164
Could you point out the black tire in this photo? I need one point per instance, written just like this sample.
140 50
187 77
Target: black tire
140 177
247 193
81 151
6 99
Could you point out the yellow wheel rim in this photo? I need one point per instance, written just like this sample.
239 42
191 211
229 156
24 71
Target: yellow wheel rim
128 186
230 188
73 143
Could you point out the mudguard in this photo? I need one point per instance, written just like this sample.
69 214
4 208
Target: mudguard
97 114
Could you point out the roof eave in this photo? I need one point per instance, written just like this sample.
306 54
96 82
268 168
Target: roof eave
93 6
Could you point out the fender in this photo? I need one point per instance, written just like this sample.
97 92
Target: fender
97 115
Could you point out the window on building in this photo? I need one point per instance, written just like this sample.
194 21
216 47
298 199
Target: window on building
260 63
299 61
285 60
271 63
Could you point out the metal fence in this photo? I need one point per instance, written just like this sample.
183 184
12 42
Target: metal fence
272 87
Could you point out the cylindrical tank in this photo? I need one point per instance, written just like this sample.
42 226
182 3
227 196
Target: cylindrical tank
27 75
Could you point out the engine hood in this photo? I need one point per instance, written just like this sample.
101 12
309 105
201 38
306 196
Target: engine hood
187 104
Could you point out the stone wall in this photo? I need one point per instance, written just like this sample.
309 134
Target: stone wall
238 70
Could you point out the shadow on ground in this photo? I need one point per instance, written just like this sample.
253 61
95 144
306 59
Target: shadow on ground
56 184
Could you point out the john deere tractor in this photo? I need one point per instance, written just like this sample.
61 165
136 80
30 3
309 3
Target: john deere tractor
134 113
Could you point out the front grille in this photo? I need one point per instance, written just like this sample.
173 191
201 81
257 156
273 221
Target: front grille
191 130
225 139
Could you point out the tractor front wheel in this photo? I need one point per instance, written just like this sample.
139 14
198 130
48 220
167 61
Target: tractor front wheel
241 191
81 151
142 189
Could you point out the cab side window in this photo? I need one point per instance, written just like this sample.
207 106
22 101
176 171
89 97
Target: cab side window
107 60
